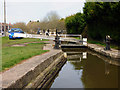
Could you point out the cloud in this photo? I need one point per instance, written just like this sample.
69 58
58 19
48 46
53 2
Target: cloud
25 11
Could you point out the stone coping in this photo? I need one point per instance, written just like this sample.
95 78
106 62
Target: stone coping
113 53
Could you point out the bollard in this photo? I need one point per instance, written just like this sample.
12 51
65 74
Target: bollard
107 43
80 37
81 40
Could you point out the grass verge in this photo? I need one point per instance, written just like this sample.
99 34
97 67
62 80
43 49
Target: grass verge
99 43
6 42
14 55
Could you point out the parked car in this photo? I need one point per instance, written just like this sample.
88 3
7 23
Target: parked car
13 31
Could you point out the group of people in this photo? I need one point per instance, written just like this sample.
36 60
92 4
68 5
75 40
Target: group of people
45 32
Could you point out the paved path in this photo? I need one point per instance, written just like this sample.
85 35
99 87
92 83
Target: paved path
12 75
100 49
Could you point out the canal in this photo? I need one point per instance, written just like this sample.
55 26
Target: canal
87 70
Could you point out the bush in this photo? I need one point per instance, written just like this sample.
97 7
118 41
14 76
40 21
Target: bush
75 23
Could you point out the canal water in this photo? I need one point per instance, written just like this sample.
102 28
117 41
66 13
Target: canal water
87 70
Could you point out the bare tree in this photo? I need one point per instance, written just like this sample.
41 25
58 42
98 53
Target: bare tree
50 21
33 26
22 26
53 16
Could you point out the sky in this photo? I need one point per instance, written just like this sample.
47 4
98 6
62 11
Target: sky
26 10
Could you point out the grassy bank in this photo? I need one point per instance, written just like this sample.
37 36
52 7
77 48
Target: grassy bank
13 55
6 42
100 43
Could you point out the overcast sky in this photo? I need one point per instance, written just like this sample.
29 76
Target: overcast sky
26 10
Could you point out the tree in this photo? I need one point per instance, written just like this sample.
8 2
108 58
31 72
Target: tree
50 21
22 26
75 24
102 19
52 16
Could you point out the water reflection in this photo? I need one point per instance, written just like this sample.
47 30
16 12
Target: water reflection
87 70
68 78
107 68
97 74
